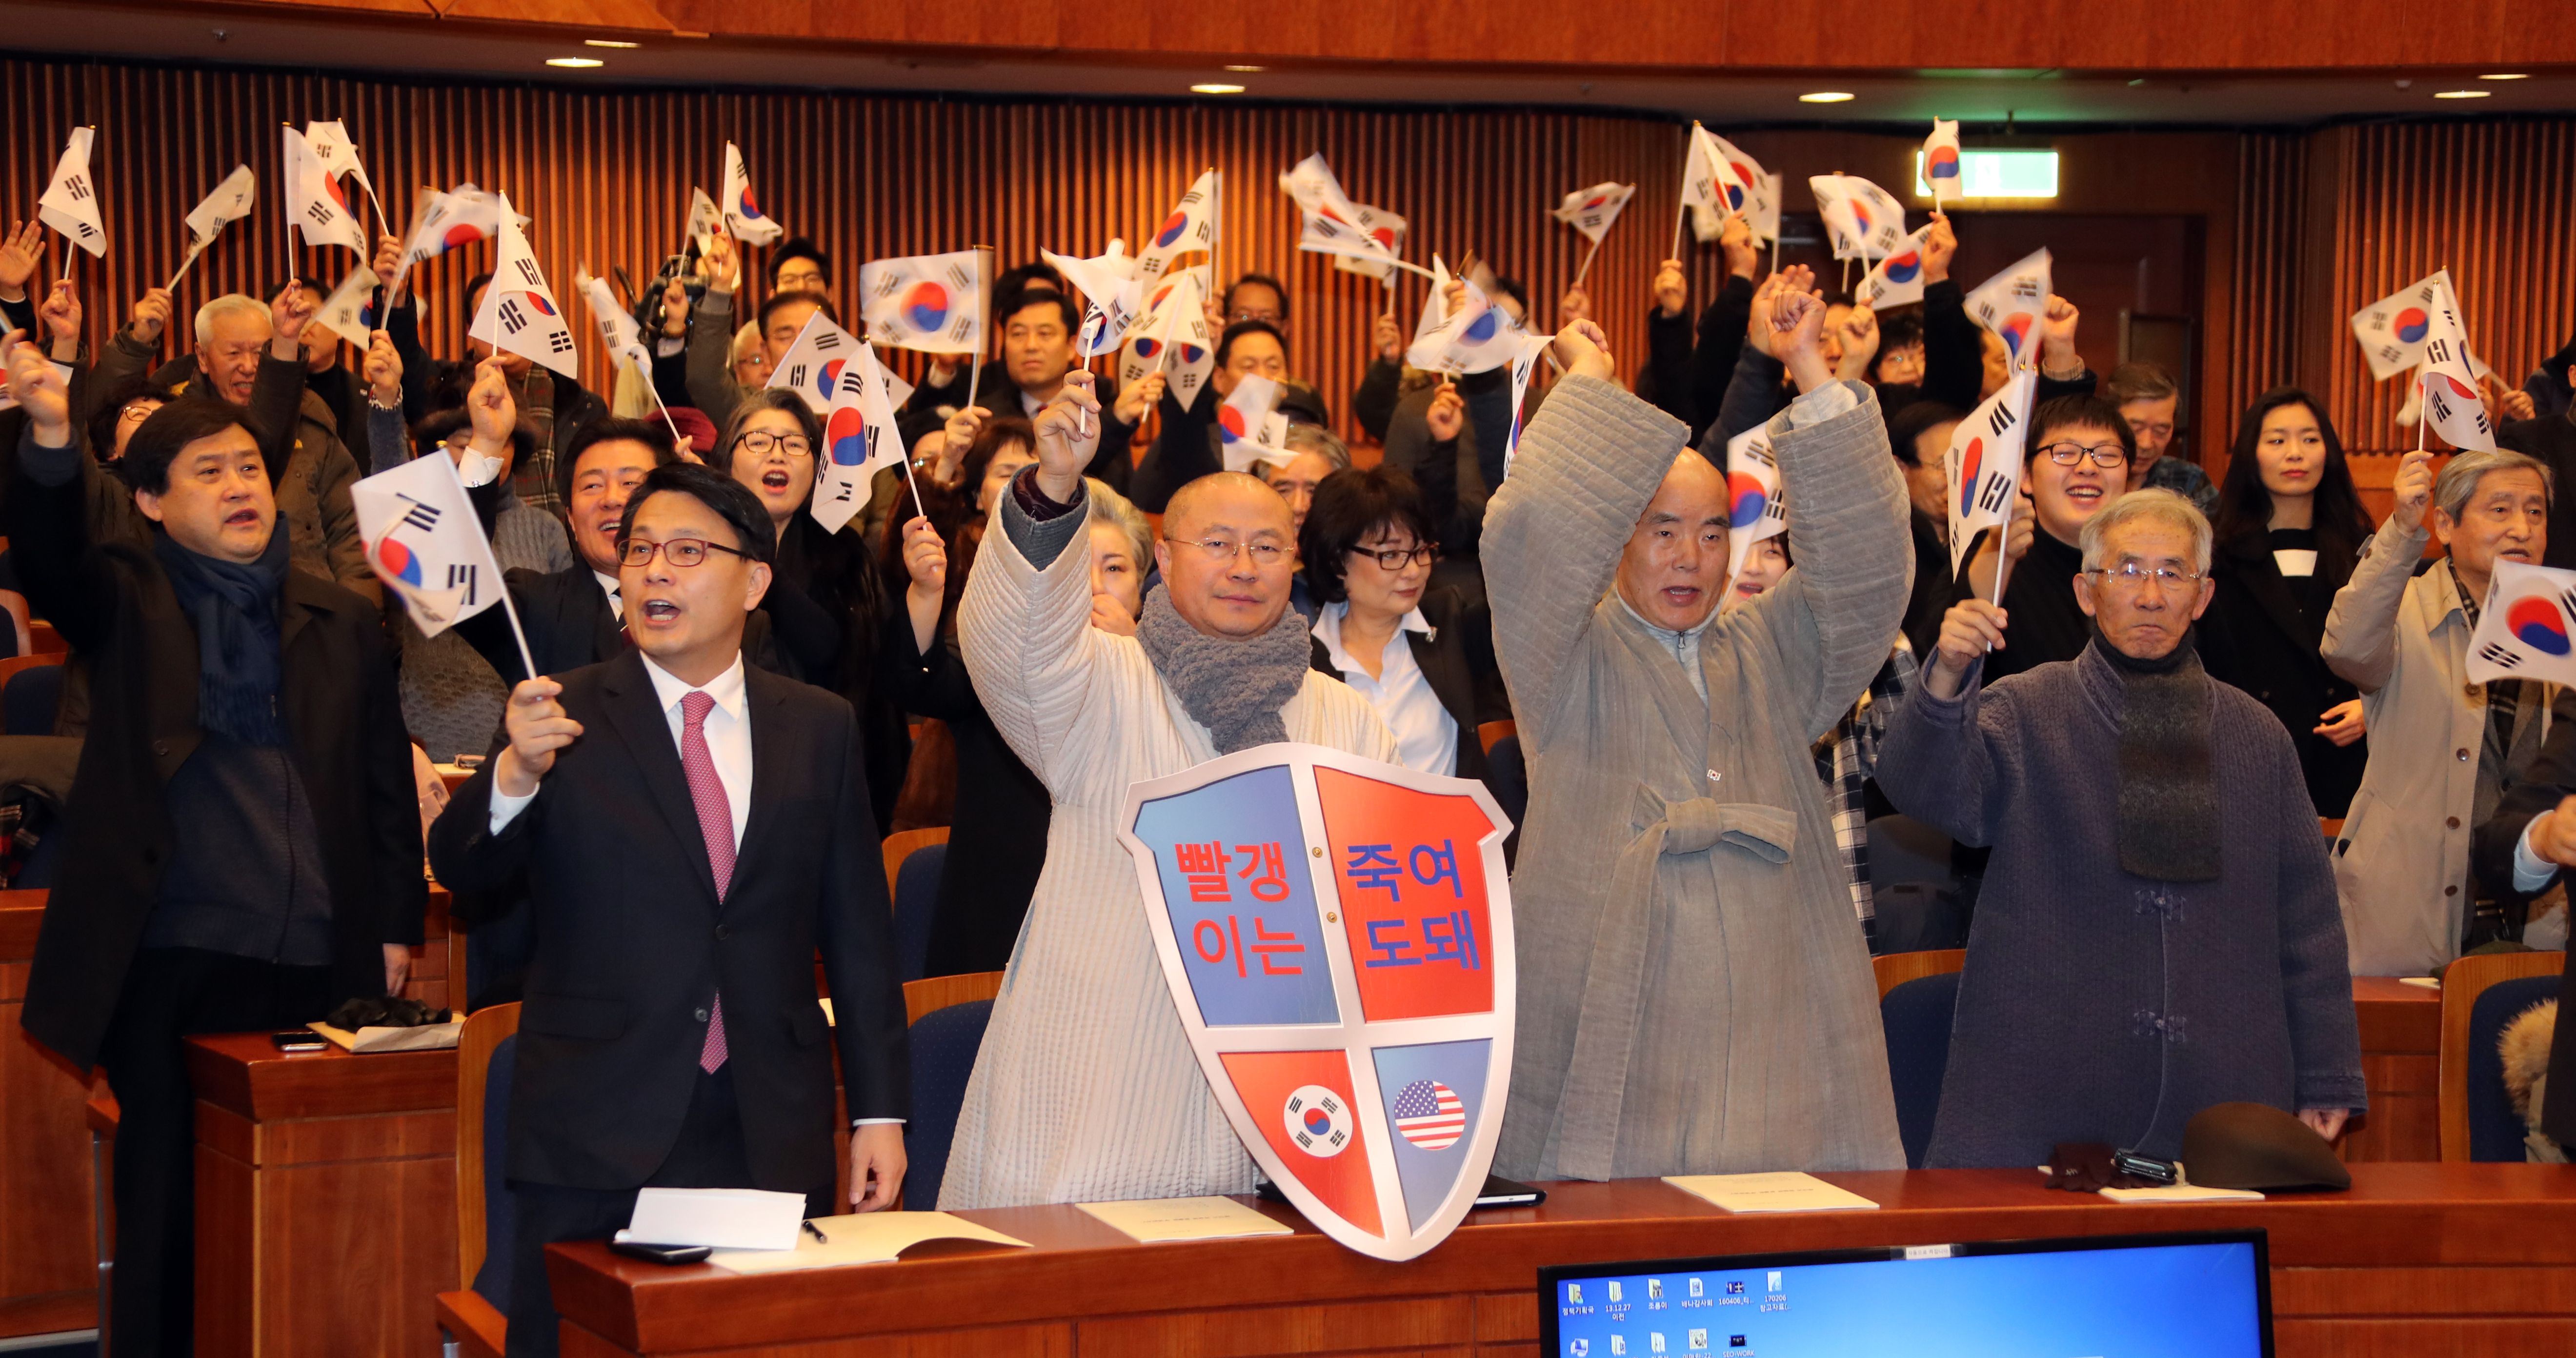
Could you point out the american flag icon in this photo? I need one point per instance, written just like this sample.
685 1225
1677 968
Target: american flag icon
1429 1115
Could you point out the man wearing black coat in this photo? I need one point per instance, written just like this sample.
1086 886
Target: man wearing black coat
242 845
691 826
2552 439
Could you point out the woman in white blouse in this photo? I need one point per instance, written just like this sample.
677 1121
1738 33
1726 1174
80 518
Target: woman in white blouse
1423 657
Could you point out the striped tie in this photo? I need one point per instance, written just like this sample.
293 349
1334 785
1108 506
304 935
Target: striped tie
715 822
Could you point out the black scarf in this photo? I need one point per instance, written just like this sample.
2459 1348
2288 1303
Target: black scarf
1233 688
2168 784
239 666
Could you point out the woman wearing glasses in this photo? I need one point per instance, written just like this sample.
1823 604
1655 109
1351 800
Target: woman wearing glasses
2290 527
2077 465
1423 657
826 599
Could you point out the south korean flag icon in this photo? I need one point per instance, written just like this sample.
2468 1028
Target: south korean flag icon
1318 1122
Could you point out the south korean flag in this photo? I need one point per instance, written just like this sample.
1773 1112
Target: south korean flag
426 543
813 365
1983 465
519 313
2523 631
859 439
1318 1122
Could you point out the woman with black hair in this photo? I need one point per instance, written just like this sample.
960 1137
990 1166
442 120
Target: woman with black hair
1423 657
827 599
2290 526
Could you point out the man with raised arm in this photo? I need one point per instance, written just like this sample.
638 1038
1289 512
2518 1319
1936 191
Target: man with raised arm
1695 992
1086 1088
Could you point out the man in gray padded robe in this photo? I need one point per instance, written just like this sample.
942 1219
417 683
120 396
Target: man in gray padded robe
1695 991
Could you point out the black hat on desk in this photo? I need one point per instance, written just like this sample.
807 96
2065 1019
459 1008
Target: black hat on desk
2257 1146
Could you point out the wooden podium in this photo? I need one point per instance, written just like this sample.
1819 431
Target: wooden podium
2454 1259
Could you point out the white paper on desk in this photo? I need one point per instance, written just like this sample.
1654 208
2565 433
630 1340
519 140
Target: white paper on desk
875 1238
1160 1219
2181 1193
727 1218
1783 1191
367 1041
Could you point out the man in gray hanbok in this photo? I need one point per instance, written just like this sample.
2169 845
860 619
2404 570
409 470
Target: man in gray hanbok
1695 990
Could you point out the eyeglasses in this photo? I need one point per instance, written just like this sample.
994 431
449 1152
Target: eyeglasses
136 412
1222 552
759 442
1251 313
2068 454
680 552
1397 558
2132 576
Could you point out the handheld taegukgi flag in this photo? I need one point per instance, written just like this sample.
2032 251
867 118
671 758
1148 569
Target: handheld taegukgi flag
1866 221
2394 329
1983 466
2450 389
350 310
933 303
1337 937
1592 210
1476 337
1249 427
742 214
229 203
1172 339
1754 507
338 155
1386 229
1941 167
1896 280
519 312
1193 227
814 362
443 221
2524 629
1333 225
859 439
315 206
70 201
1113 286
1528 349
2013 304
705 221
425 542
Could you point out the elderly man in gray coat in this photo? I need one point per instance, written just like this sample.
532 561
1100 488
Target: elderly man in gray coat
1695 992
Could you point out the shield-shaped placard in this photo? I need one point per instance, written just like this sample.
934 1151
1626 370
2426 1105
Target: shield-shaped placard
1337 934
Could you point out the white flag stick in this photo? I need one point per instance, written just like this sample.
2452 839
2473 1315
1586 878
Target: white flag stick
676 435
517 631
1587 260
910 480
195 249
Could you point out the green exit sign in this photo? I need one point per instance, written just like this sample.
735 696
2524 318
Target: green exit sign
1999 174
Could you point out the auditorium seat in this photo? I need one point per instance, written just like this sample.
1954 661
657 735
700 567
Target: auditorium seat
31 691
948 1015
1916 1014
2480 995
916 900
475 1320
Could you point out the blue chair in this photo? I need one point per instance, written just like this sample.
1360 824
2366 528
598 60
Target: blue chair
944 1044
1916 1015
33 694
500 1205
474 1323
916 901
2495 1133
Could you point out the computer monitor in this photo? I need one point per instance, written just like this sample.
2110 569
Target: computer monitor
2185 1295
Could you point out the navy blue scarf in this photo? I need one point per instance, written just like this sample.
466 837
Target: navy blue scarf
239 664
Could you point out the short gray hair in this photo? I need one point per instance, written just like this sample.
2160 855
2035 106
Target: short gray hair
1322 442
2459 479
1108 506
230 304
2156 503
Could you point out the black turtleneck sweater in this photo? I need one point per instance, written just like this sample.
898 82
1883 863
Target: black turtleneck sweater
2039 596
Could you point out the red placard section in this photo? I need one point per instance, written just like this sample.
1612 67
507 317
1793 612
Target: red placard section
1410 876
1302 1103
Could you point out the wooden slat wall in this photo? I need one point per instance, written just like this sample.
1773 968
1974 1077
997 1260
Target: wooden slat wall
2262 352
2491 200
606 177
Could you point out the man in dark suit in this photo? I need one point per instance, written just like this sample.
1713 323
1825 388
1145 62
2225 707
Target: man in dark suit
693 831
242 845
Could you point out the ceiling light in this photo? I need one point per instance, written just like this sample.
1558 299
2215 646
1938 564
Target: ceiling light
575 63
1216 89
1258 68
2462 94
2514 76
1825 97
604 42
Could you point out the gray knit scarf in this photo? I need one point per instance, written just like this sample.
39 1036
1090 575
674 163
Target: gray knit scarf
2168 785
1233 688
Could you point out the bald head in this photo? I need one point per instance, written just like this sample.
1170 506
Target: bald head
1240 587
1675 563
1193 500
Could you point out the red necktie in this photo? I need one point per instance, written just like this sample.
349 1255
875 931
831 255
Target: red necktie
715 822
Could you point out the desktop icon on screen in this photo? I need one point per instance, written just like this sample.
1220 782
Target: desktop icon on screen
1618 1344
1654 1341
1775 1284
1699 1341
1579 1348
1654 1289
1698 1288
1614 1289
1735 1341
1733 1289
1574 1294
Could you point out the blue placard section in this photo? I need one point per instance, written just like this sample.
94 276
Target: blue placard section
1433 1094
1232 858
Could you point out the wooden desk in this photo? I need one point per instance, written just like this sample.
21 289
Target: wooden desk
326 1199
2416 1259
2401 1051
48 1217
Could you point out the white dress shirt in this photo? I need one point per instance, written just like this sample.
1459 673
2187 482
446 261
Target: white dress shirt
608 586
2531 872
1426 736
728 732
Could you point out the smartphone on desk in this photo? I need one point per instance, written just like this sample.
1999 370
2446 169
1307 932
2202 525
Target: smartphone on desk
299 1040
663 1254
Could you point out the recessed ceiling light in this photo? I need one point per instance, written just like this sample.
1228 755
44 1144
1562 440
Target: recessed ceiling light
1825 97
1216 89
1258 68
2512 76
604 42
2462 94
576 63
